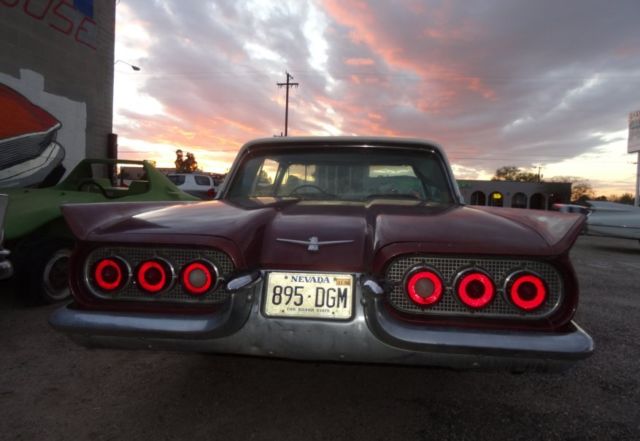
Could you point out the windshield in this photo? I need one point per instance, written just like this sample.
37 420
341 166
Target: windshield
343 174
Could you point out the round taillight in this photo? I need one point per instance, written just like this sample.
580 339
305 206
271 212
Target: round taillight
199 277
527 291
475 289
110 273
154 275
424 287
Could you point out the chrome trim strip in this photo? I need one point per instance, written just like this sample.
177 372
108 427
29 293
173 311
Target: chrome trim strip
313 242
243 281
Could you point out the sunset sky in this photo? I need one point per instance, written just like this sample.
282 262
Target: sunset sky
496 82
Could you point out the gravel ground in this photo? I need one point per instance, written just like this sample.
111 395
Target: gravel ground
51 389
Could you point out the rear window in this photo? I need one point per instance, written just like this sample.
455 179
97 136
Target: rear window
352 174
203 180
176 179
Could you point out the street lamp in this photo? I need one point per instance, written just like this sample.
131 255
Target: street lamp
136 68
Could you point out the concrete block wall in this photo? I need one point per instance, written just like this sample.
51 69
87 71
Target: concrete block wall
56 64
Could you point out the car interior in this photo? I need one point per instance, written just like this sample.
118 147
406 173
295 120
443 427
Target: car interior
94 177
348 177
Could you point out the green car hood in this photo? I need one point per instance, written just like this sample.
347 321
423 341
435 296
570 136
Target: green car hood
32 208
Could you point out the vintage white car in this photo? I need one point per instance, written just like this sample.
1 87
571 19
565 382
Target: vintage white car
613 220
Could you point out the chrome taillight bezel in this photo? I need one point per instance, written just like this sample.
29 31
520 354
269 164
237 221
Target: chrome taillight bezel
91 278
460 279
439 289
513 279
170 275
208 265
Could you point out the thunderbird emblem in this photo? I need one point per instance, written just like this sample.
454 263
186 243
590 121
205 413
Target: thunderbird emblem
313 244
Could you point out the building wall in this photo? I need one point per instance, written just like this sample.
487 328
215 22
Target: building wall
534 195
56 86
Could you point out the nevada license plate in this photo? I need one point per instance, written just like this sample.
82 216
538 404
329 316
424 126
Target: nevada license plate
309 295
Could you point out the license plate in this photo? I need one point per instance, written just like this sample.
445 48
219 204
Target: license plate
309 295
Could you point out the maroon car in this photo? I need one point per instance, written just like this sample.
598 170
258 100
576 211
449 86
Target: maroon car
345 249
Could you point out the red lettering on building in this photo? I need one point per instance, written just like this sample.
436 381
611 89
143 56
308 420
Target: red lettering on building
62 16
30 10
10 4
58 11
85 27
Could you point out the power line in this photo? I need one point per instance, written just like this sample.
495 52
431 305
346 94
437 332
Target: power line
286 108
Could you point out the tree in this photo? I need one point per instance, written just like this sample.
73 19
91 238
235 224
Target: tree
506 173
626 198
513 173
581 189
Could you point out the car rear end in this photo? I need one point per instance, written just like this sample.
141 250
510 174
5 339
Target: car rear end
386 278
194 303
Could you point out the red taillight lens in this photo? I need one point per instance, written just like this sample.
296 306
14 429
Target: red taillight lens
527 291
424 287
475 289
198 277
154 276
110 274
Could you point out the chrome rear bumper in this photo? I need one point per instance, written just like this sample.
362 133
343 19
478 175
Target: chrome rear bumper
373 335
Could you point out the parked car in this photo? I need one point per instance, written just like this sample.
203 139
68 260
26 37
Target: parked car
605 218
38 237
613 219
196 184
344 249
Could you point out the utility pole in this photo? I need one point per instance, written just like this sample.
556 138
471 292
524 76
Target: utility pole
286 107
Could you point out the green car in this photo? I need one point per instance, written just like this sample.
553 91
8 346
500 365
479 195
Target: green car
38 237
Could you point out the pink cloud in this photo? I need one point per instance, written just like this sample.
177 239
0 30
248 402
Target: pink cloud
359 62
369 29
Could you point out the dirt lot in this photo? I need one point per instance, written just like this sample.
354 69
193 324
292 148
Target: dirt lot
51 389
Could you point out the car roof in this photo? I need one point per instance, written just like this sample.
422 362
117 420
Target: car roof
327 141
302 142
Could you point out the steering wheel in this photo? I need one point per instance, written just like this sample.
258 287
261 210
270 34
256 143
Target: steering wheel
88 183
320 190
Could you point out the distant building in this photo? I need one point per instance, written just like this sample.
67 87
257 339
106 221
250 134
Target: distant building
533 195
